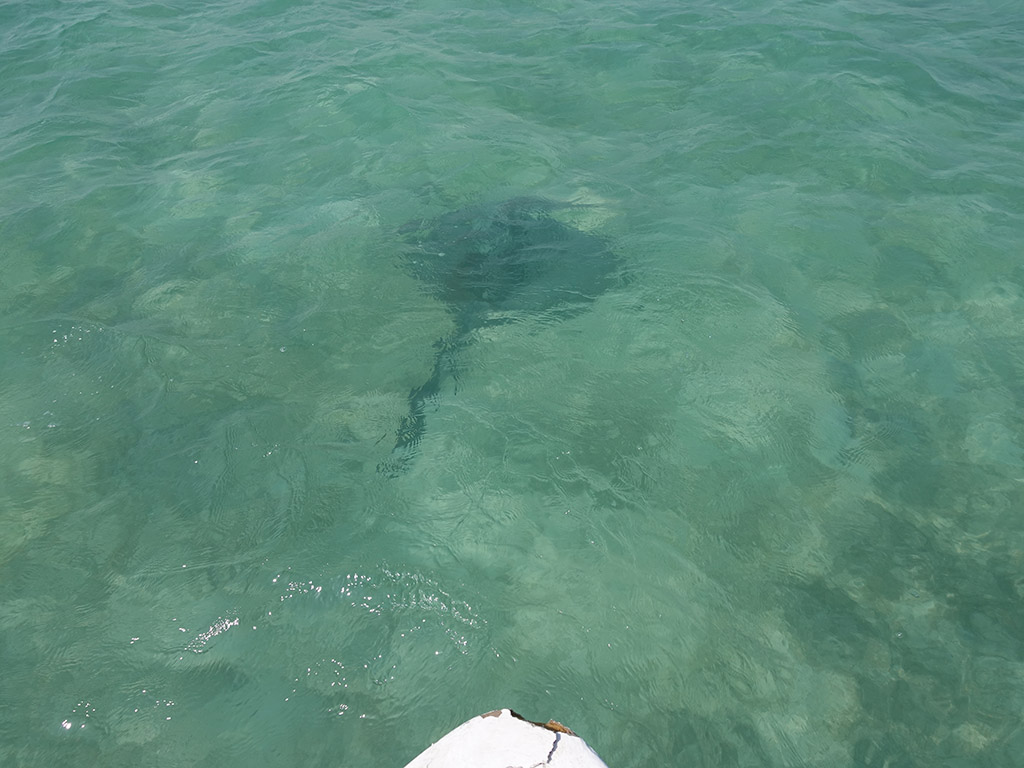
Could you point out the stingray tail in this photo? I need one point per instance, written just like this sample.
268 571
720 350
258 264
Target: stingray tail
414 423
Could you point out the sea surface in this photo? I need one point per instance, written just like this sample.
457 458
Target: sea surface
758 503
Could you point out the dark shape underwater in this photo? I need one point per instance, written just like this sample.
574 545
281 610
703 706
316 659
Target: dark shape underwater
491 264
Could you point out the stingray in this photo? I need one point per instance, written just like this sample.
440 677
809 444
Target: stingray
491 264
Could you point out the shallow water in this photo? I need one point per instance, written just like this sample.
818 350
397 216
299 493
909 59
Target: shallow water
757 505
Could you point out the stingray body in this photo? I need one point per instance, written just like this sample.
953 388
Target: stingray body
497 263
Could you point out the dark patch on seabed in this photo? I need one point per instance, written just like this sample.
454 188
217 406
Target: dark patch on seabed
489 264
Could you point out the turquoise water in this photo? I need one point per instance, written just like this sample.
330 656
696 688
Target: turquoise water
758 505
